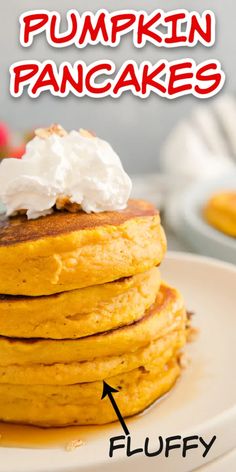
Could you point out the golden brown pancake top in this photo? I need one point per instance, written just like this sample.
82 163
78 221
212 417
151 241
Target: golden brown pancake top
19 229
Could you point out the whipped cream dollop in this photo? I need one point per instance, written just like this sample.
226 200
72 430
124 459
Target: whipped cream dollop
76 165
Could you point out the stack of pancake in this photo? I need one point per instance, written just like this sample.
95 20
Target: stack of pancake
82 301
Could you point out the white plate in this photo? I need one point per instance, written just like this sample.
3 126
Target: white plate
198 233
202 403
226 463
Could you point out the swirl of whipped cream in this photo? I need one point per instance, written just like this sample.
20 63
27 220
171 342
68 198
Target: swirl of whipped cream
76 165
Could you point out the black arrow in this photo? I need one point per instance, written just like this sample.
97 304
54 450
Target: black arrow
107 391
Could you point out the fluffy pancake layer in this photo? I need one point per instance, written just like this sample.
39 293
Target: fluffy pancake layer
81 403
81 312
157 352
166 314
220 212
59 382
62 251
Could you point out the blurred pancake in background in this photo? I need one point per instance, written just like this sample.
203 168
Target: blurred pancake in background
220 212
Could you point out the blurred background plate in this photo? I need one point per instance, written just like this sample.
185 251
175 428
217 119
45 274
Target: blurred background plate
191 227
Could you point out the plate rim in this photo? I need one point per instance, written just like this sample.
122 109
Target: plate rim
199 257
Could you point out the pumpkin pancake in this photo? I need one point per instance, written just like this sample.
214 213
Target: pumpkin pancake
158 352
65 251
220 212
80 312
81 404
166 314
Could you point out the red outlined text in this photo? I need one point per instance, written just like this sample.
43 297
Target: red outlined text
171 29
181 28
166 79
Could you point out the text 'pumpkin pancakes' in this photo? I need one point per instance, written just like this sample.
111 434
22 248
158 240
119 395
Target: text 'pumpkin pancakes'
81 296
